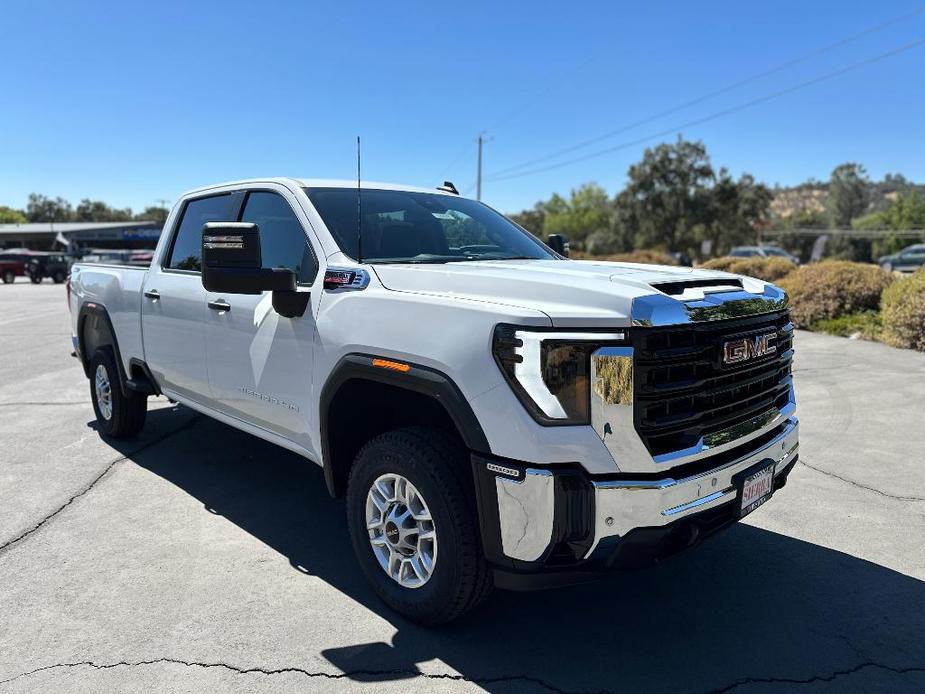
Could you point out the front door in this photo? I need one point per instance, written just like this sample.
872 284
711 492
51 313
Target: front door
260 363
173 304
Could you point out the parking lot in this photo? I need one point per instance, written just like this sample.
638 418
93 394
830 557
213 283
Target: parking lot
197 558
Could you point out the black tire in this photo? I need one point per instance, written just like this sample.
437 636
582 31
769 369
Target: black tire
439 468
9 277
58 277
35 279
126 412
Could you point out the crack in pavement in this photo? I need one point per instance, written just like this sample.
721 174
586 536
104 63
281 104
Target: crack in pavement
861 486
817 678
528 679
86 488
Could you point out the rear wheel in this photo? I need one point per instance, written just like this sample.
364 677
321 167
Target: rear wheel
414 526
58 277
35 279
118 415
8 277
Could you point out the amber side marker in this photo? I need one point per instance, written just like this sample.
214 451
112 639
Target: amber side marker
391 365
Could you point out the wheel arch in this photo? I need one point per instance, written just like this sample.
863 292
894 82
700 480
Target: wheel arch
95 330
360 400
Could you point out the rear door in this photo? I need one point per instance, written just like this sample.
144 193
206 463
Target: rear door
173 305
260 363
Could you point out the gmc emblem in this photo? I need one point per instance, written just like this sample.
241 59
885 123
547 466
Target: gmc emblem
745 348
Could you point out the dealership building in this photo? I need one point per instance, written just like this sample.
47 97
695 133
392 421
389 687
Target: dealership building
72 236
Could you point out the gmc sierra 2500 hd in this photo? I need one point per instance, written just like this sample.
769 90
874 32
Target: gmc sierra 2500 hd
494 413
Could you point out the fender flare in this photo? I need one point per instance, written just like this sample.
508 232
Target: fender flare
419 379
91 308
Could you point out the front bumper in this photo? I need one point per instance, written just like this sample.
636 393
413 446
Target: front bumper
552 525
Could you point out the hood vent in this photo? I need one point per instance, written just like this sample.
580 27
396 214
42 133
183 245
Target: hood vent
679 289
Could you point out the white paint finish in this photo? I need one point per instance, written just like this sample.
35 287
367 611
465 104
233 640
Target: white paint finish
513 433
118 289
573 293
260 365
174 332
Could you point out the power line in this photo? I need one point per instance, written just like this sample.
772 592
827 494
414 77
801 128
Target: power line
714 116
715 93
456 159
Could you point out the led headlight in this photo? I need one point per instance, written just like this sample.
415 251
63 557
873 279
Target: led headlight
549 371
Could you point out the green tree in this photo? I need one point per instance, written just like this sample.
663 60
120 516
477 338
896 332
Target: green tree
667 199
10 216
737 207
153 214
587 210
41 208
99 211
533 220
849 194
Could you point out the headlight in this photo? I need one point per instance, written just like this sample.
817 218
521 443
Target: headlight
549 370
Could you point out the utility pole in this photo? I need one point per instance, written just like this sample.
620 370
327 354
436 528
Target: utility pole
478 176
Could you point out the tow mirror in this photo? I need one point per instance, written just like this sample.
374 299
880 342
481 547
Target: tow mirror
558 243
232 264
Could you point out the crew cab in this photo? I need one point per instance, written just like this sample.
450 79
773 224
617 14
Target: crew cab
494 413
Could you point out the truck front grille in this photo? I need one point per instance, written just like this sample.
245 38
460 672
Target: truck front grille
685 393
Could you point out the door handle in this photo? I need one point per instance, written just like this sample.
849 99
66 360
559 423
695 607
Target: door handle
220 305
152 294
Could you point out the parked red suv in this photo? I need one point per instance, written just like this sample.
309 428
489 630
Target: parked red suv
14 264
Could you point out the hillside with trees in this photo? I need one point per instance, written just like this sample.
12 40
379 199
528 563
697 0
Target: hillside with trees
676 200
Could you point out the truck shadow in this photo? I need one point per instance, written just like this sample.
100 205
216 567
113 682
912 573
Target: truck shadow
749 607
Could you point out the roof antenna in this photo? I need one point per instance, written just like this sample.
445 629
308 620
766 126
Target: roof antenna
359 209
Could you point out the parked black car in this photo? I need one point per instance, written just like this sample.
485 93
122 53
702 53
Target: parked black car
54 266
909 259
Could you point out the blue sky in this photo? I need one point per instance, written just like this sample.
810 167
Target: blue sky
135 102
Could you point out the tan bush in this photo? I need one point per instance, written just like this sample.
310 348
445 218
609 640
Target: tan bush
646 257
903 312
767 269
722 264
833 288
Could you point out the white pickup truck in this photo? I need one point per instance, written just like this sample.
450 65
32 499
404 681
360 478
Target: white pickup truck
494 413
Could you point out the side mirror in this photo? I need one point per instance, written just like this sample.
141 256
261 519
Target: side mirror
231 261
558 243
232 264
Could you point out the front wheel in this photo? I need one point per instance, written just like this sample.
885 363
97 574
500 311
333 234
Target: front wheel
9 277
118 415
58 277
888 267
414 526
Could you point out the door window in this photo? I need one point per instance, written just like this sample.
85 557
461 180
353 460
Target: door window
283 243
187 245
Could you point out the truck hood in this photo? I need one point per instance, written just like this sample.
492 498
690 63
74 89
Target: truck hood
576 293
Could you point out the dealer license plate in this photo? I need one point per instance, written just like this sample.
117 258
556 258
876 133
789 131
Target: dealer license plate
756 489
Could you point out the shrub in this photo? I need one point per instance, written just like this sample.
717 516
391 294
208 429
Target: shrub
767 269
867 324
903 312
832 289
646 257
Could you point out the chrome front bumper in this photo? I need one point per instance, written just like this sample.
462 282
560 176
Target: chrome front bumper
530 512
621 506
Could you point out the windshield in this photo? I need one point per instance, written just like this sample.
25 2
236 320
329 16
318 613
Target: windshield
770 250
407 227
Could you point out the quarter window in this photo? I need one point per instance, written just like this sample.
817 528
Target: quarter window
283 243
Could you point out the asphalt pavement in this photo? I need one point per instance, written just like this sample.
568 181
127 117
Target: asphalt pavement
197 558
